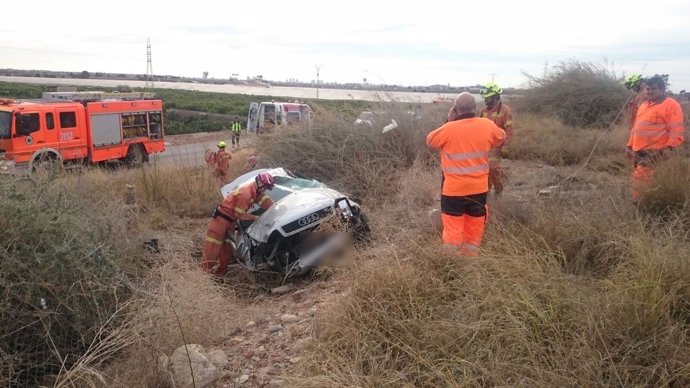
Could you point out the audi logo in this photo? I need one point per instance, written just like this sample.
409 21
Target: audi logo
306 220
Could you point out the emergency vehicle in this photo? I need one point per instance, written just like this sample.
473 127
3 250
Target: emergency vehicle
71 128
266 116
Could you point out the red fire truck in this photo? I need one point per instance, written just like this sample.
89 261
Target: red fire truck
79 127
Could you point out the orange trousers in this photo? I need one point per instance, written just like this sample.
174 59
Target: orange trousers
642 179
217 248
463 220
463 233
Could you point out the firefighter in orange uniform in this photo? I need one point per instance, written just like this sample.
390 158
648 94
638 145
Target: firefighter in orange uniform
497 111
658 130
217 248
501 114
636 83
469 146
220 161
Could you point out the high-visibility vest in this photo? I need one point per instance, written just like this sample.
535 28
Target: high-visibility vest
236 127
657 126
465 146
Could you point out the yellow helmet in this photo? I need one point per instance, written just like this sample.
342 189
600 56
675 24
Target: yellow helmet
490 90
221 144
632 80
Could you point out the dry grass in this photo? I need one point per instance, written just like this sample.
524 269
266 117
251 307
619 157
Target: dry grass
573 289
359 159
175 304
564 296
669 194
546 138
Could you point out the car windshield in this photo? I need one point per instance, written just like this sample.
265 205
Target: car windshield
5 122
298 183
286 185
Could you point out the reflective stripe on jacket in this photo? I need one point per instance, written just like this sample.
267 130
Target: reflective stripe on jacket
465 146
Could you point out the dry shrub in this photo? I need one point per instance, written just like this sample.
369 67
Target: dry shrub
359 159
411 206
64 271
173 305
669 194
587 234
579 93
545 137
517 315
182 191
73 256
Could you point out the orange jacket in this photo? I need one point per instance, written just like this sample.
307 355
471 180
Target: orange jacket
502 116
237 203
222 160
657 126
465 146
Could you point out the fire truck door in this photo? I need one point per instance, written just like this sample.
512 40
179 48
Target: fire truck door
71 133
51 132
29 132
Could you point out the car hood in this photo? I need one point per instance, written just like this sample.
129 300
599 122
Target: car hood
292 208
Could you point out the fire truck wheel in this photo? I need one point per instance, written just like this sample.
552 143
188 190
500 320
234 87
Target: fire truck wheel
47 162
136 155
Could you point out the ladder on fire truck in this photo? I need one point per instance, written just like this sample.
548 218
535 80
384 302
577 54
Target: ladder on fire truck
97 96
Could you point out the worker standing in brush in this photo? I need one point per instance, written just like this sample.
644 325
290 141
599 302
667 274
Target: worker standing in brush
467 143
636 84
501 114
658 129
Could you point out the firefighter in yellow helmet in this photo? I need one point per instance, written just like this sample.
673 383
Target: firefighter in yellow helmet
636 84
501 114
219 162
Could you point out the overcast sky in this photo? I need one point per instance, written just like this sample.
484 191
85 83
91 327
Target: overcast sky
420 42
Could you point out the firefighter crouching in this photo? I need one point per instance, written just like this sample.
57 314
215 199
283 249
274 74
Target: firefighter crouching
235 207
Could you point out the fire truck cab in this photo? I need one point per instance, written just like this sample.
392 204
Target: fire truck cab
79 127
266 116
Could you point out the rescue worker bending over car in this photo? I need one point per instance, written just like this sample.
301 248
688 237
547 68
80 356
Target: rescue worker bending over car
235 207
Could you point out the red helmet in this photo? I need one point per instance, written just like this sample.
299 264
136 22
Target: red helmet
266 180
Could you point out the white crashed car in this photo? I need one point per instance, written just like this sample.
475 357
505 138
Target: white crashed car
287 237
